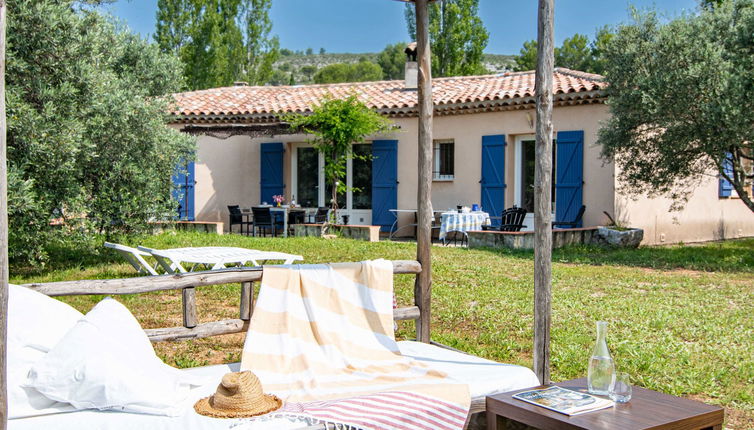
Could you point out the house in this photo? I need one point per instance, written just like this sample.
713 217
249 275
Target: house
483 134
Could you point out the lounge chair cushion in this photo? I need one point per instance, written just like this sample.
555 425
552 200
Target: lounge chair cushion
484 377
36 323
106 361
480 374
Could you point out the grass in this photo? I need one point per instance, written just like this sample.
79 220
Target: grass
680 318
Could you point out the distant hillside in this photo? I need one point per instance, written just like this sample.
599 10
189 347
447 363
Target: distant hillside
302 67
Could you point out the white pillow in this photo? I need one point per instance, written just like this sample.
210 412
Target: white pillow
107 362
36 323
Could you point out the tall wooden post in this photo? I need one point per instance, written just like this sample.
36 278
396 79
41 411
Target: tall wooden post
543 193
3 233
423 284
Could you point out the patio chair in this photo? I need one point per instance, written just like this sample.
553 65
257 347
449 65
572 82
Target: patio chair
237 218
263 220
295 217
321 216
571 224
135 257
512 219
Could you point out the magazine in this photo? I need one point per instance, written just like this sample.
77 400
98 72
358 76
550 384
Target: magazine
565 401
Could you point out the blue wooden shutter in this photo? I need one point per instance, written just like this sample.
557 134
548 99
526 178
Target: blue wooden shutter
384 182
271 171
569 180
724 186
493 175
183 190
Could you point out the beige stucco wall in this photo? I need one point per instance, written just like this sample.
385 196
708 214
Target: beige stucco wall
705 217
467 131
227 171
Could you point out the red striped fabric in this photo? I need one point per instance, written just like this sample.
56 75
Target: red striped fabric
384 411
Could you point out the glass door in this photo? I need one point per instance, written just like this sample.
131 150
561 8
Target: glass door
524 174
311 190
306 192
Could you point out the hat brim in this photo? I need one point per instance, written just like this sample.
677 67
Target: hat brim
268 404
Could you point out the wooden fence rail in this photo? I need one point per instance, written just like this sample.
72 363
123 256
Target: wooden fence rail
188 283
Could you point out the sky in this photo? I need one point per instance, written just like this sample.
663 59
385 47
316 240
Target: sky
369 25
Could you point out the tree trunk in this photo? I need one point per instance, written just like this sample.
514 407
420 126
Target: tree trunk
3 233
543 193
423 284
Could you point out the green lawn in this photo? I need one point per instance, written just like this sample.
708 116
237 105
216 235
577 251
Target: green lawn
680 318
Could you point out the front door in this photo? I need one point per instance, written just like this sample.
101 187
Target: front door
310 189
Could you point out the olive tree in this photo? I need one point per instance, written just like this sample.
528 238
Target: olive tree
338 124
89 149
680 96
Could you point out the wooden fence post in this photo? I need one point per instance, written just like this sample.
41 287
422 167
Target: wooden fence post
423 284
190 318
3 232
247 300
543 192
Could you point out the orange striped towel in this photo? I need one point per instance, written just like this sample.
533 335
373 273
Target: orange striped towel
321 338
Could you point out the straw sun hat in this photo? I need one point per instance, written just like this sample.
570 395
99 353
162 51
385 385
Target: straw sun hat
239 395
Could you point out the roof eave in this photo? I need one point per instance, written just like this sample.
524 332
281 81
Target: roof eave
496 105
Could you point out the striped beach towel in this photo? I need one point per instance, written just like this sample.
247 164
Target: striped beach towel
321 338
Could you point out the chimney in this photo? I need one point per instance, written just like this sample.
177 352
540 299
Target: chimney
240 84
412 67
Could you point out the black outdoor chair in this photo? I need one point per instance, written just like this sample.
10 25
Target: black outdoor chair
237 218
321 216
263 221
571 224
295 216
512 219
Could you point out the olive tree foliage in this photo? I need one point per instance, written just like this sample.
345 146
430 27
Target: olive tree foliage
338 124
88 145
218 41
457 35
681 104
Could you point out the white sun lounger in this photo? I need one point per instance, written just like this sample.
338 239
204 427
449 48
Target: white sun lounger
135 257
214 257
484 377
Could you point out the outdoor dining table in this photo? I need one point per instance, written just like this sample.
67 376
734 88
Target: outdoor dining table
285 210
462 221
215 257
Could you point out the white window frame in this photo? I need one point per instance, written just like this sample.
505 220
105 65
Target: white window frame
436 176
321 198
518 175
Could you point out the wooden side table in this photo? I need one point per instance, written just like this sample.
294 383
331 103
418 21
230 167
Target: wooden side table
647 410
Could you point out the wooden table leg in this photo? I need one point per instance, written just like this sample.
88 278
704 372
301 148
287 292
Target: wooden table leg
492 421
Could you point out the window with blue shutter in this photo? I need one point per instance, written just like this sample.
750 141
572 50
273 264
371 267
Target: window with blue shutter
384 182
183 190
271 171
493 176
725 188
569 178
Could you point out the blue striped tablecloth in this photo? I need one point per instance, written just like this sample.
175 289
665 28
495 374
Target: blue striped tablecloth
454 221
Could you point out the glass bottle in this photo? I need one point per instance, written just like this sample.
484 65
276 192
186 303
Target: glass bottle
601 366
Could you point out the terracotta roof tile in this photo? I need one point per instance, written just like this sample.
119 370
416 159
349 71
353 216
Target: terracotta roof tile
386 96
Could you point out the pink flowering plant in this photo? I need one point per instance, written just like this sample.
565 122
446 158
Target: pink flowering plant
279 199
